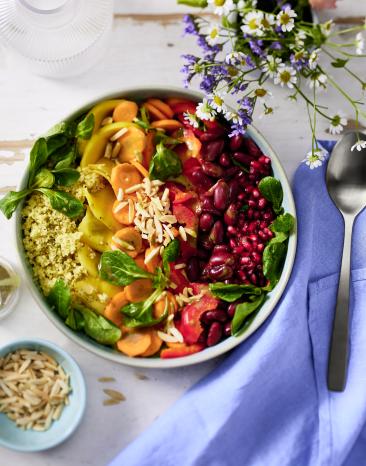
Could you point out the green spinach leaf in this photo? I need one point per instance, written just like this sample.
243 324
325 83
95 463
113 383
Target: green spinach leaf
232 292
274 256
10 202
120 269
271 189
43 179
66 176
98 327
170 254
75 320
59 298
55 143
141 314
242 311
38 157
85 127
164 164
63 202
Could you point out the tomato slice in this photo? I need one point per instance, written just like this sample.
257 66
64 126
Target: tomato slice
190 325
185 216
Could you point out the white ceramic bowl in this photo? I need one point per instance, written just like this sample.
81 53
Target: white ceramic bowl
208 353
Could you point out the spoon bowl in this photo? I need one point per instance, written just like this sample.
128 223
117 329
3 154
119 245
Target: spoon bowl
346 175
346 183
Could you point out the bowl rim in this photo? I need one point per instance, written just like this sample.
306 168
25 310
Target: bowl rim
76 372
226 345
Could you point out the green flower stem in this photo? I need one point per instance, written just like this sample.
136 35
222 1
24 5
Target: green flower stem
345 67
308 101
346 31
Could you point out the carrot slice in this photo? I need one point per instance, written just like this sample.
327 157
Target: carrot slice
127 240
140 261
149 149
124 176
134 344
154 262
162 106
159 306
125 111
139 290
169 125
113 309
140 168
126 214
155 344
154 113
132 145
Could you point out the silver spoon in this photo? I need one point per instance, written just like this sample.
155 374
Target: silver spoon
346 183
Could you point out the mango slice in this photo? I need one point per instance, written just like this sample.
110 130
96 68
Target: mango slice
89 259
96 145
100 111
101 205
104 168
95 233
88 289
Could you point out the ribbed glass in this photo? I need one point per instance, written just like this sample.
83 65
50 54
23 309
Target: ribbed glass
56 38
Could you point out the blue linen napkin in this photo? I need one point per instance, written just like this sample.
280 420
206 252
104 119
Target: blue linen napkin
268 402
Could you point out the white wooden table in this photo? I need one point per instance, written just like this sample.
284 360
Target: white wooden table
145 50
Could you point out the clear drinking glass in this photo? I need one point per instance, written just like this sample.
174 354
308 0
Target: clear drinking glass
56 38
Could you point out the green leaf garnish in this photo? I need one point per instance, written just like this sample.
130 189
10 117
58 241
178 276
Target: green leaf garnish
120 269
164 164
271 189
85 127
232 292
242 312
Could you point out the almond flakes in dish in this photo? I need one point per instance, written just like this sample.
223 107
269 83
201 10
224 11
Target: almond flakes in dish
33 389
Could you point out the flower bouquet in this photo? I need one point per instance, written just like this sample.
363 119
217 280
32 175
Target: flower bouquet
253 43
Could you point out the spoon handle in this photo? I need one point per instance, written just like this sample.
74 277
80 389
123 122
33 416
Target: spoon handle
338 355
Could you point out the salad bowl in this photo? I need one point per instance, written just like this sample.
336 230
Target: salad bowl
208 353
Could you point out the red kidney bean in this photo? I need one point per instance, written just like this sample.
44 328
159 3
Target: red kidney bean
231 309
202 339
236 142
193 269
220 248
221 195
230 215
211 169
225 160
242 158
232 231
212 150
234 189
219 258
231 172
211 316
198 178
227 329
216 235
252 147
220 272
206 221
214 334
208 206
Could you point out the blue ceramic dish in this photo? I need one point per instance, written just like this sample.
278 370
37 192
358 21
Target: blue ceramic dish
15 438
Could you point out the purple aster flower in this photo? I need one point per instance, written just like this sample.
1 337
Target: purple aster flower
237 129
189 25
208 83
298 63
190 59
276 45
239 87
255 47
246 105
249 62
201 42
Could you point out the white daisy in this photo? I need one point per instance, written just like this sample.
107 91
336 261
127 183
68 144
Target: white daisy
285 19
253 23
222 7
317 80
360 144
268 21
360 43
204 111
327 27
217 102
232 117
337 123
213 34
315 159
192 119
314 58
267 111
235 58
300 38
245 4
270 65
286 76
262 94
